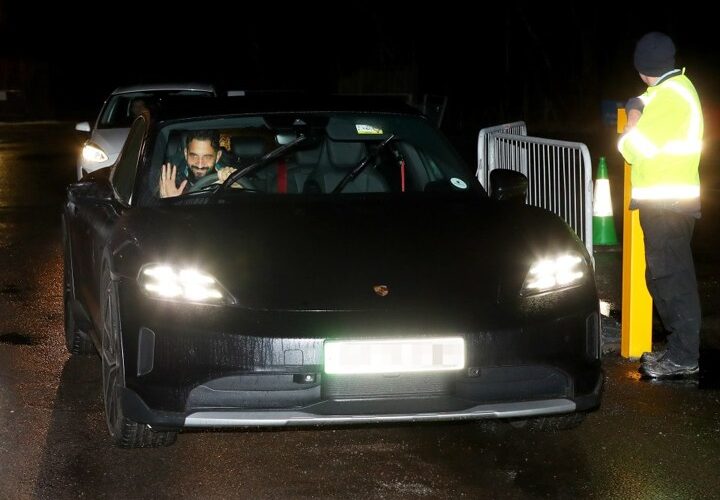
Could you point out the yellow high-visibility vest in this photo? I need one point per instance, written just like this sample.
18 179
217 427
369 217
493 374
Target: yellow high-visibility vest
664 147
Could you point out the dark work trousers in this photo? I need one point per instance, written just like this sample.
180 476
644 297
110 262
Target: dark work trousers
670 276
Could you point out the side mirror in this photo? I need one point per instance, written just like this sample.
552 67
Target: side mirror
82 127
508 185
95 187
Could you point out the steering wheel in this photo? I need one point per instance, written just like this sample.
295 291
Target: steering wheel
212 178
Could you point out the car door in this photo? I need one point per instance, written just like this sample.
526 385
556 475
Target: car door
96 217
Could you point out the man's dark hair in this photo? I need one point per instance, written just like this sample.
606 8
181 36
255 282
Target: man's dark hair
204 135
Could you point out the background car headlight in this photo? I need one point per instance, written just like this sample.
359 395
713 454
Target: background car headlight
554 273
93 153
162 281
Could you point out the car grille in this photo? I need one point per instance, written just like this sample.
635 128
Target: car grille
395 385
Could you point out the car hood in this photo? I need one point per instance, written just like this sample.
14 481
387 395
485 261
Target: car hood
111 140
359 255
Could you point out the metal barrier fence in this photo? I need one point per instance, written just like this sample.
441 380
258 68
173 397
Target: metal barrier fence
558 172
483 173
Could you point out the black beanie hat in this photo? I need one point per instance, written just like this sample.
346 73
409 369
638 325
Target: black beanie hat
654 54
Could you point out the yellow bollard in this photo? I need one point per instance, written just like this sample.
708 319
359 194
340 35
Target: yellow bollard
636 300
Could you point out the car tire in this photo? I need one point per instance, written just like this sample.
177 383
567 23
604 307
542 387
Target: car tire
76 341
124 432
563 422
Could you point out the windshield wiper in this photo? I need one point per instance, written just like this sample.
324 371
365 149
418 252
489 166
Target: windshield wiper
362 165
262 162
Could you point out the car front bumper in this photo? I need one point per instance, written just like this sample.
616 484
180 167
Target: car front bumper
196 366
298 418
349 412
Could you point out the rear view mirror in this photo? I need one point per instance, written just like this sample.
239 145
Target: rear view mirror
83 127
508 185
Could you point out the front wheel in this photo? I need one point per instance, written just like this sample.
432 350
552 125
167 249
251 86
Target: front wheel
125 432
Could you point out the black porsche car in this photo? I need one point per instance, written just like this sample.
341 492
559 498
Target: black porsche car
339 264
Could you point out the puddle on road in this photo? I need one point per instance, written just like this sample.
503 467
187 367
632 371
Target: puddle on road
16 339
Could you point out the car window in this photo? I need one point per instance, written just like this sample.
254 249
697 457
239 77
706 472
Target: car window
120 110
123 175
340 153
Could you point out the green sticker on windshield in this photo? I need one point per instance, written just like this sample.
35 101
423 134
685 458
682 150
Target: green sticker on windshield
367 129
458 183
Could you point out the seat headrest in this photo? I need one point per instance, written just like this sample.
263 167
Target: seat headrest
247 147
345 154
308 156
175 144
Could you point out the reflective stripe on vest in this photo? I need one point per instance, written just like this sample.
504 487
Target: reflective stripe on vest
649 150
672 192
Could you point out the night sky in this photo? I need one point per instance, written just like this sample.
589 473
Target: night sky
543 63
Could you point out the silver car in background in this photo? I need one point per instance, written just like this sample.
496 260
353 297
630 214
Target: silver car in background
117 114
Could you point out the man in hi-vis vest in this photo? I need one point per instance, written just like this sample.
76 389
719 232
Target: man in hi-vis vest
662 143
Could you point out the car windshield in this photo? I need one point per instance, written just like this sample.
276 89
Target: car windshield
305 154
121 109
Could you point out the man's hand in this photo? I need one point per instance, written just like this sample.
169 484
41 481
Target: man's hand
224 173
167 182
633 115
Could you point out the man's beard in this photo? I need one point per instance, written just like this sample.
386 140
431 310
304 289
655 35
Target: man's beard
194 178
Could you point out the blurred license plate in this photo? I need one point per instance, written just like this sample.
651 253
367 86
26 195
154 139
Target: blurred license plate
394 355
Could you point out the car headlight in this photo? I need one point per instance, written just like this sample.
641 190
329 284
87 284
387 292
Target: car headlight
93 153
554 273
162 281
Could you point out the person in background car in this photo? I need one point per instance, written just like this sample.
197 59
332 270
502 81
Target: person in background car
139 107
202 153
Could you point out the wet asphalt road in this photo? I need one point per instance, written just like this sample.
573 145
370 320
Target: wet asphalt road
648 440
